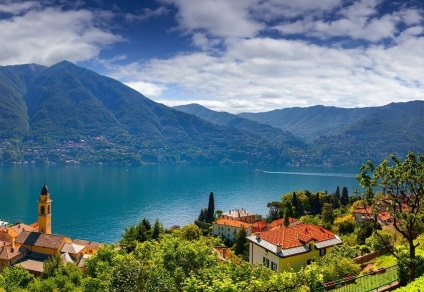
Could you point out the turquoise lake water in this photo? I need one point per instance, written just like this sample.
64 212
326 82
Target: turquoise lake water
97 203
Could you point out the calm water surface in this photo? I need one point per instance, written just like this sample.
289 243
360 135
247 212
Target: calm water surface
97 203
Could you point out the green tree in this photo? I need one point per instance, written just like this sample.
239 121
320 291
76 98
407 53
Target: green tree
344 199
298 210
328 213
402 183
211 209
15 278
335 198
191 232
275 210
241 246
157 229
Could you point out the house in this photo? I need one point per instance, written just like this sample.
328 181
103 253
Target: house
293 246
90 247
228 228
10 256
43 243
259 226
239 215
362 214
280 222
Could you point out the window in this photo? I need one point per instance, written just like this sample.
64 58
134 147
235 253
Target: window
308 262
273 266
42 210
322 252
266 262
48 209
311 247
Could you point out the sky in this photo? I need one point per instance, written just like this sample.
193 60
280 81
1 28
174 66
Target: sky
231 55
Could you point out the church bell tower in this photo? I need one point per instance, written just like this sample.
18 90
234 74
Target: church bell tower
45 211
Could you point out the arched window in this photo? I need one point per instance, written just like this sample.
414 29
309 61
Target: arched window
48 209
42 210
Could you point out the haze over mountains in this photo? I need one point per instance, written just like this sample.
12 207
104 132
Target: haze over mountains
68 114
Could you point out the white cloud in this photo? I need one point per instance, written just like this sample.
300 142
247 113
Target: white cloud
262 74
219 18
49 35
150 90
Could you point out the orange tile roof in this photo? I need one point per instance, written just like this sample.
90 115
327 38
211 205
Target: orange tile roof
259 224
296 235
280 222
20 227
9 231
232 223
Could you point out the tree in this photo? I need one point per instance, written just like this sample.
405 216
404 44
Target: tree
288 212
344 199
298 210
191 232
328 213
335 198
211 209
315 204
203 215
275 210
157 229
402 185
241 247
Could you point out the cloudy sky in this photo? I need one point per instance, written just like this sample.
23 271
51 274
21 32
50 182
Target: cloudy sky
231 55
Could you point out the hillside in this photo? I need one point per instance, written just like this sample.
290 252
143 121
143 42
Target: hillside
73 115
340 136
275 136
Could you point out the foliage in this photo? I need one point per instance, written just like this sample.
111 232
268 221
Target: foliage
345 224
191 232
365 231
402 183
15 278
241 246
276 211
328 213
338 263
415 286
138 233
379 239
344 199
210 215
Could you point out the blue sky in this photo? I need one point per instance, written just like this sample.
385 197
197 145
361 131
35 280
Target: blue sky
231 55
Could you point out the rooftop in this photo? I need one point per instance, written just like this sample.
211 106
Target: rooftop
293 239
235 213
41 239
232 223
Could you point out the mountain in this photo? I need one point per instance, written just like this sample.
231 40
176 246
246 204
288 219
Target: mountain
340 136
275 136
310 122
68 114
14 81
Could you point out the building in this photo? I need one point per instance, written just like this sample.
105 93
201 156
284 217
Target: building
228 228
280 222
293 246
240 215
30 245
45 211
362 215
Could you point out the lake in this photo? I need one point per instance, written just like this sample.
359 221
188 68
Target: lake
98 202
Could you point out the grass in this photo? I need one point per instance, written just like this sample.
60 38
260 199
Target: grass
385 260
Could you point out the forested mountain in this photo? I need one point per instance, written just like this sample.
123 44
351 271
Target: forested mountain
275 136
341 136
310 122
68 114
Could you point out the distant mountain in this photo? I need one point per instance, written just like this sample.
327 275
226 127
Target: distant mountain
310 122
68 114
275 136
340 136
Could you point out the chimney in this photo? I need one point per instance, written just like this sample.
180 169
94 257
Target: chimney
278 248
258 235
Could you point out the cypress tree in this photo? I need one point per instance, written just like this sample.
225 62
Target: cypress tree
211 209
298 210
344 199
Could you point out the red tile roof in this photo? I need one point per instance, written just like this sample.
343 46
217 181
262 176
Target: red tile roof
296 235
280 222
